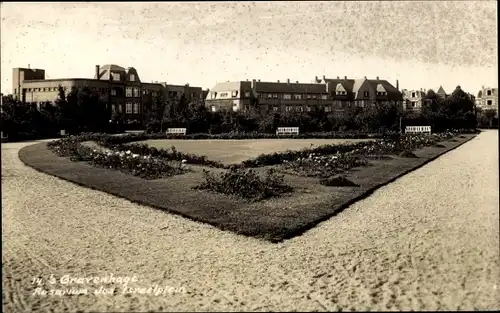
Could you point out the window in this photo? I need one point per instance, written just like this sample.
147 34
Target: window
297 96
136 92
120 109
115 76
113 92
366 94
136 108
287 96
381 93
324 97
113 108
247 94
488 92
314 97
234 94
308 109
214 108
341 93
275 109
489 102
288 108
193 95
308 96
247 108
128 92
327 109
269 96
275 96
413 95
132 77
301 109
128 107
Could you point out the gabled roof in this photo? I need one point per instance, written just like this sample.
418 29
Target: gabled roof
380 88
441 91
340 87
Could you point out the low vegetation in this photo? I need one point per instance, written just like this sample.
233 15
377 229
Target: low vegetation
246 184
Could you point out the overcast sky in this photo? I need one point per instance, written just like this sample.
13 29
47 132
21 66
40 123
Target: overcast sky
423 44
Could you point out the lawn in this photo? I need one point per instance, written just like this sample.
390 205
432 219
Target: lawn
237 151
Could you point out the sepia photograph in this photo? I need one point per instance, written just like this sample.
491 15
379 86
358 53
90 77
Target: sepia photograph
240 156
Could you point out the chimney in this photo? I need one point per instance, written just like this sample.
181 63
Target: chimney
324 78
316 78
254 84
365 77
278 80
397 84
28 66
97 71
377 78
258 80
345 77
288 80
338 77
297 82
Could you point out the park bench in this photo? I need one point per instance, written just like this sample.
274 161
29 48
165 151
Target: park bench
418 130
287 131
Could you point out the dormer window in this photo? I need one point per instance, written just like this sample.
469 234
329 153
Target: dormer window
132 77
234 94
488 92
381 93
341 93
214 95
115 76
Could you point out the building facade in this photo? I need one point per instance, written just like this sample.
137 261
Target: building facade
120 89
487 99
413 99
329 95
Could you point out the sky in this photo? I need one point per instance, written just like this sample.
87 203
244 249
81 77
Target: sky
422 44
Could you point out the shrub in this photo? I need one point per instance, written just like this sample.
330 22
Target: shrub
337 181
246 184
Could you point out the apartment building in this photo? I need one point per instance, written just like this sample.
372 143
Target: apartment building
487 98
327 94
121 89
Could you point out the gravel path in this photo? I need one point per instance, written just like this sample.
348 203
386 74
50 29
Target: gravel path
428 241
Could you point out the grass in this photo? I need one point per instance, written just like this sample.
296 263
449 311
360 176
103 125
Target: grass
273 219
236 151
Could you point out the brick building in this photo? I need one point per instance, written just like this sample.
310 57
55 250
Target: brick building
121 89
329 95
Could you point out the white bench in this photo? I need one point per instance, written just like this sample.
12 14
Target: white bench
287 131
181 131
418 130
63 132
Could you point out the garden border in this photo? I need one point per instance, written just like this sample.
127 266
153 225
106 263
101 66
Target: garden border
28 159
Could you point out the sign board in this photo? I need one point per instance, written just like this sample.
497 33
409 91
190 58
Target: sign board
418 130
181 131
63 132
287 131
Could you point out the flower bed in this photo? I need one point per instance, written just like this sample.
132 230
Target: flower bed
324 166
246 184
144 166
